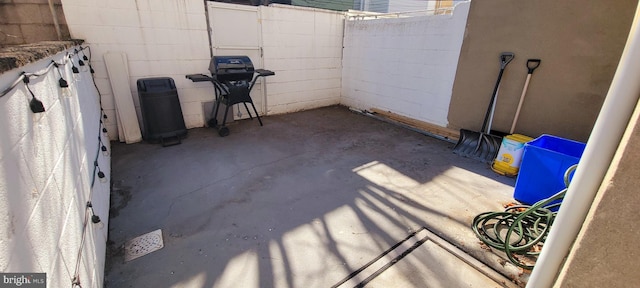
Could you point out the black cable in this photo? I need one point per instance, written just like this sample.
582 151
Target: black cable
46 70
26 74
101 128
75 281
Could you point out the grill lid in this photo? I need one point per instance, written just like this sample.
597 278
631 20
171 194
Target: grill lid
231 68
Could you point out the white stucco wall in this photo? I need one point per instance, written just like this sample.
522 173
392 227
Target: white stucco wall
405 65
46 168
304 47
162 38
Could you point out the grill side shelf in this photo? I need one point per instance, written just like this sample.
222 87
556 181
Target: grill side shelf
199 78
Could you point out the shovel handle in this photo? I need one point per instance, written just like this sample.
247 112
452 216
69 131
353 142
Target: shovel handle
532 64
524 92
505 58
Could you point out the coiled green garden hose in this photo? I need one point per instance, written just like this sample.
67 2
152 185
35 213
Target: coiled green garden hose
525 226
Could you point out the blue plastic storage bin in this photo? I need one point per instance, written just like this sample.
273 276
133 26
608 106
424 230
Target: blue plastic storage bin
544 162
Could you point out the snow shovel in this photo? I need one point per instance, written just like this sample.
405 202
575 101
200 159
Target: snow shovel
482 145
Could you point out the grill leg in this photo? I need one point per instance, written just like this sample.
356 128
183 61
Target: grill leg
254 110
213 122
226 111
248 112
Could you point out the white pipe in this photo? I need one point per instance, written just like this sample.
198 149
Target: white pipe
604 140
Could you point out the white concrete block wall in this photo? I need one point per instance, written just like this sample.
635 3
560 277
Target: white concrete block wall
162 38
46 166
404 65
303 46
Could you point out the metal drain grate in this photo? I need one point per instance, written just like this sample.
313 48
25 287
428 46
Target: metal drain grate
143 245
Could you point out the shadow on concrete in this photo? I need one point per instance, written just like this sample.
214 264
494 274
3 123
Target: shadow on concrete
301 202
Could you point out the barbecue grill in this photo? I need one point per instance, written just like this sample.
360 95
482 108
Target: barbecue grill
232 78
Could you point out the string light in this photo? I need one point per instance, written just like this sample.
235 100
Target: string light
96 169
83 67
95 219
102 126
84 56
104 115
36 105
101 175
103 147
74 69
61 82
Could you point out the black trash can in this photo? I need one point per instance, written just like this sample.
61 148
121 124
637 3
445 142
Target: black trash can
161 112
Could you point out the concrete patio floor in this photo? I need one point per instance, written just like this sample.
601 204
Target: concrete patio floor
304 201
